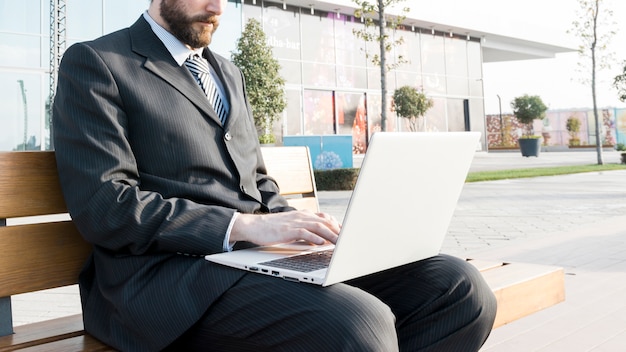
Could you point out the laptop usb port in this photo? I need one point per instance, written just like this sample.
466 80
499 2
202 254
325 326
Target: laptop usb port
275 273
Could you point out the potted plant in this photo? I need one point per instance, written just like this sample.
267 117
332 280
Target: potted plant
528 108
264 85
573 127
411 104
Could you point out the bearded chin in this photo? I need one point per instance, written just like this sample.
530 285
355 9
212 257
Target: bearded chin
182 27
194 38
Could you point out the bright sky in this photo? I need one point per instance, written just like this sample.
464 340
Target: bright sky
556 80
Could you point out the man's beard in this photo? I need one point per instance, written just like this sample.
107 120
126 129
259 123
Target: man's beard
182 28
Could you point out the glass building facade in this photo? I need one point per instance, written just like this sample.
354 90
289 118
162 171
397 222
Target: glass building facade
331 87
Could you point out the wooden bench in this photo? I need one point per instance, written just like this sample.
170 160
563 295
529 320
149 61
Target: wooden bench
36 254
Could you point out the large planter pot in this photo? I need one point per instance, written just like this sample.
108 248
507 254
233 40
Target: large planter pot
529 146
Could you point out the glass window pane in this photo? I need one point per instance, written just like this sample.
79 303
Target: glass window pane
432 54
318 112
20 16
391 81
293 120
409 50
318 75
282 29
278 127
457 86
84 20
24 50
373 78
411 79
22 109
290 71
474 60
475 87
120 14
224 40
253 11
372 49
349 48
456 57
318 44
44 52
351 77
434 84
456 115
477 117
352 119
374 114
434 120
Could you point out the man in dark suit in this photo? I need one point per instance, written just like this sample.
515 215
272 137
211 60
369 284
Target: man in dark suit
155 180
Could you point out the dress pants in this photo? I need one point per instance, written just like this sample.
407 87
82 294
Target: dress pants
437 304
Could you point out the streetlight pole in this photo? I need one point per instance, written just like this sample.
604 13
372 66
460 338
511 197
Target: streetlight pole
501 125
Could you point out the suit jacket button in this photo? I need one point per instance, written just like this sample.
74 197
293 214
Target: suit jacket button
228 137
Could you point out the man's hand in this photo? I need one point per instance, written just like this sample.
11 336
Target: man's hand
267 229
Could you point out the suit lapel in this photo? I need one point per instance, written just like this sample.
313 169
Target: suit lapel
232 87
160 62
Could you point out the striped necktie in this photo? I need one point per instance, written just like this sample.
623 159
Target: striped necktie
199 68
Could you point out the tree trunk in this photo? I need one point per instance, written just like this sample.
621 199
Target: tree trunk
593 84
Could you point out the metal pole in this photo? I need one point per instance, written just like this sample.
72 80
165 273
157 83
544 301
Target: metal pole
57 47
501 123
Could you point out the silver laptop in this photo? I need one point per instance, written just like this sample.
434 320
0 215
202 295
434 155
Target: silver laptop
399 212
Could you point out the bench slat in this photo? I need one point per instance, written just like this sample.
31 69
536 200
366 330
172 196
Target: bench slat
43 332
291 168
40 256
304 204
78 343
29 185
483 265
522 289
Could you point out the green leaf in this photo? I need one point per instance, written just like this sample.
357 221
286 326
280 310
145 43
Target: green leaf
261 71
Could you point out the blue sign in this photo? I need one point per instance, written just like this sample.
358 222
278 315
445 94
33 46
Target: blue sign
327 152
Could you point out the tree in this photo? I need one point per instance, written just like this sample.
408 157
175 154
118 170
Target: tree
591 17
264 85
528 108
411 104
573 128
619 82
373 16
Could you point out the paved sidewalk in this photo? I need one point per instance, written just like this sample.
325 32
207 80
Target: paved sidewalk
574 221
500 213
497 213
514 160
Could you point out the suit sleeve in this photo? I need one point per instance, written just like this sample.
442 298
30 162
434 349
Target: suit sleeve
269 189
100 177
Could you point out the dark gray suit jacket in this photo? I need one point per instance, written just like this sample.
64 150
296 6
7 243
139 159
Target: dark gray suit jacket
149 176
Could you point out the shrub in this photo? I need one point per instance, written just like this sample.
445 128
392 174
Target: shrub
573 127
261 71
526 109
336 179
411 104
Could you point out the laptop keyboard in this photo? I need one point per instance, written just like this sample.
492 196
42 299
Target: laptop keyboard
304 263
